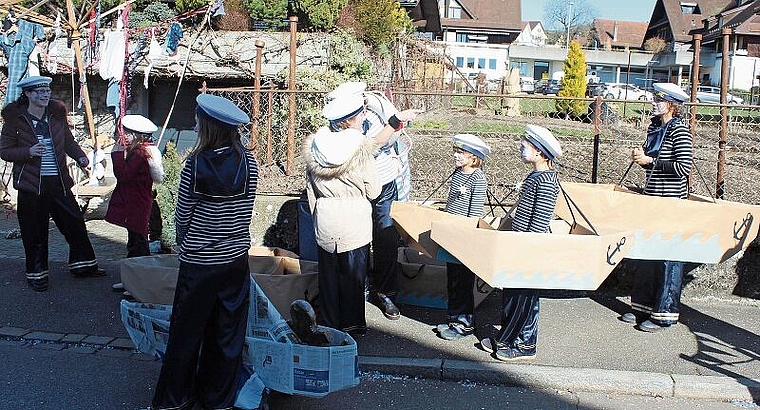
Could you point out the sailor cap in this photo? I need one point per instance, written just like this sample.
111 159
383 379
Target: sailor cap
349 88
34 82
670 92
221 110
544 140
472 144
343 107
139 124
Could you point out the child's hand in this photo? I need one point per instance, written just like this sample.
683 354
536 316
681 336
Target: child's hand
408 115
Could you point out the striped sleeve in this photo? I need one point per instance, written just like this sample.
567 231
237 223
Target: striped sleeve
214 231
467 193
535 207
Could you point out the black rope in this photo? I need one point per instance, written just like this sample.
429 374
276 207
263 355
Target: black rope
570 205
439 186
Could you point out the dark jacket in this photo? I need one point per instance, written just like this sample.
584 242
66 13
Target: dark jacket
18 136
132 200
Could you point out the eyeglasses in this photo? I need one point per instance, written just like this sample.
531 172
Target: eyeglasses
42 91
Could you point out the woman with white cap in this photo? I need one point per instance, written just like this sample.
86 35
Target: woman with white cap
36 137
533 212
341 179
137 166
381 121
667 157
210 310
467 195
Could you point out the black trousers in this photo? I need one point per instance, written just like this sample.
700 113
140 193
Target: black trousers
385 242
519 318
459 284
657 290
206 336
137 244
34 213
341 288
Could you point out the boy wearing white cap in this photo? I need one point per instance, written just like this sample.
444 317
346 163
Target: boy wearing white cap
137 166
533 212
36 137
210 311
666 157
467 195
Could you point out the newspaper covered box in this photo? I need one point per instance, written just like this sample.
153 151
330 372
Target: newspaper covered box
294 368
422 281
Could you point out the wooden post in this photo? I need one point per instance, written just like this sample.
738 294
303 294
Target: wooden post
694 84
256 97
720 184
75 37
290 158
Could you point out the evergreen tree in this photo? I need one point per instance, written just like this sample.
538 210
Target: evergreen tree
574 82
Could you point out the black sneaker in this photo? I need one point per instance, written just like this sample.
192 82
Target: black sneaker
89 272
456 331
387 306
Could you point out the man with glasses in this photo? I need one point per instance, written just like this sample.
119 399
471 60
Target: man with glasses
36 137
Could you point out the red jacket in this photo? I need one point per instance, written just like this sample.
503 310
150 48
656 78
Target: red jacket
132 198
18 136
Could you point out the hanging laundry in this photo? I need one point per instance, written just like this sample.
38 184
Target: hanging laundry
217 9
112 97
18 46
172 39
53 53
112 52
33 64
154 53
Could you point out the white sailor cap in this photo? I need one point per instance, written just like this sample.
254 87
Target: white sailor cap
544 140
343 107
349 88
138 123
472 144
34 82
670 92
221 110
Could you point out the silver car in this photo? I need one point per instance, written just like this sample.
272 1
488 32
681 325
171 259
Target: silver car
711 95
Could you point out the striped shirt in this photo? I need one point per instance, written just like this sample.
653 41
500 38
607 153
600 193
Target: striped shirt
467 193
48 166
669 175
213 232
535 207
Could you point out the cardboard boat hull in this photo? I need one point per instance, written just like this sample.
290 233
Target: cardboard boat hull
693 230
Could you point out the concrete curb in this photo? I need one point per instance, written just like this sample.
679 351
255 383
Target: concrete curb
571 379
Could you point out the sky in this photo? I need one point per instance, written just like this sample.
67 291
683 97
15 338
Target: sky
626 10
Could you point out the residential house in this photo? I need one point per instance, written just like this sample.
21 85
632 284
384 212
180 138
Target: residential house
533 34
618 35
675 21
477 33
743 18
424 15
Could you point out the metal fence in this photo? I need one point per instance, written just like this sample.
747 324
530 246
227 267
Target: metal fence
596 142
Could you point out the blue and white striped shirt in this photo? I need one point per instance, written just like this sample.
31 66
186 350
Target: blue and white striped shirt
535 207
214 232
669 175
467 193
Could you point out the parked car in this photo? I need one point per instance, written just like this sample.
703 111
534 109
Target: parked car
622 91
527 85
552 87
711 95
595 89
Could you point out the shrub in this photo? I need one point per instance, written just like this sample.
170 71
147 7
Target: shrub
272 13
318 14
153 13
377 22
574 82
167 193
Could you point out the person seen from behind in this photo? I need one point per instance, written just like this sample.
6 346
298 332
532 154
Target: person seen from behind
209 317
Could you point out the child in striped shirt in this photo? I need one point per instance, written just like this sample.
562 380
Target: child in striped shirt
467 194
532 213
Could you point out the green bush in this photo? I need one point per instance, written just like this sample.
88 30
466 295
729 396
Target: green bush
377 22
155 12
318 14
167 193
348 58
574 82
270 12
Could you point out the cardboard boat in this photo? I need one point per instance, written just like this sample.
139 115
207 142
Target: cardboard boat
574 259
694 230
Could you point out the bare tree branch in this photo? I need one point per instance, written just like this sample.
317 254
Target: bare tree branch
561 14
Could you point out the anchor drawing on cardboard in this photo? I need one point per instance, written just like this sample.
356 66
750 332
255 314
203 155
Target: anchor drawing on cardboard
698 229
570 257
